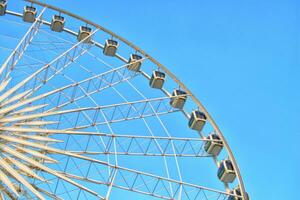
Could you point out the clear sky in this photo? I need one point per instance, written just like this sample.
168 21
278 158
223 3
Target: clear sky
241 59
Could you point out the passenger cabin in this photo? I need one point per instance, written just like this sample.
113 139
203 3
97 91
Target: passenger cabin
157 79
110 47
57 23
226 172
3 5
178 99
84 32
29 14
213 145
134 63
197 120
237 192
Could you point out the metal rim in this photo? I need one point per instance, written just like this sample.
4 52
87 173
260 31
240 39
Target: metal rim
139 50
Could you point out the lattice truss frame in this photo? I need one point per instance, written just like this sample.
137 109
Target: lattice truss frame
52 145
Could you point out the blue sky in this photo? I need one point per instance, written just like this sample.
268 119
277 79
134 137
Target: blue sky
241 59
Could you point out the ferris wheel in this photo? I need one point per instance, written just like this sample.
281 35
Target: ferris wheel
86 114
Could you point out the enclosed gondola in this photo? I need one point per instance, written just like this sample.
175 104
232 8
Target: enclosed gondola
134 62
197 120
237 195
29 14
57 23
178 99
3 5
110 47
213 145
157 79
74 84
84 34
226 171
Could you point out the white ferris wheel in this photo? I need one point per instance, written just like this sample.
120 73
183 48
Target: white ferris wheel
86 114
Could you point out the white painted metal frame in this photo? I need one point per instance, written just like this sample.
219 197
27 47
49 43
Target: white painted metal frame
119 112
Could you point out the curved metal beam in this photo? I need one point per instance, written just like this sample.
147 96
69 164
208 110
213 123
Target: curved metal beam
170 74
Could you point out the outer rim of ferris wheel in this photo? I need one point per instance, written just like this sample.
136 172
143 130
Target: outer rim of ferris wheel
170 74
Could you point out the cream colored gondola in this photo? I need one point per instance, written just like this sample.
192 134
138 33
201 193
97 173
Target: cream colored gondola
226 171
197 120
178 99
83 33
57 23
110 47
134 63
29 14
3 5
237 192
157 79
213 145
